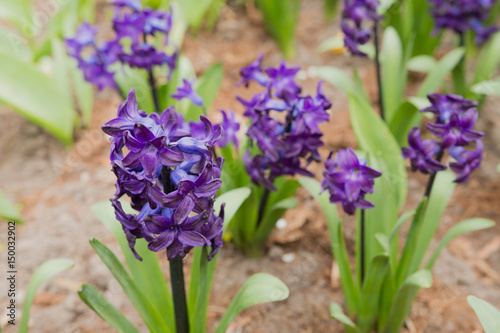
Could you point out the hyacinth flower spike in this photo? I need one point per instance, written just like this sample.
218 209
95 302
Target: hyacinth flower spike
355 16
348 180
455 118
171 179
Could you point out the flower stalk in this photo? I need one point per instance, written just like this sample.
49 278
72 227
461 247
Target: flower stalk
179 295
377 68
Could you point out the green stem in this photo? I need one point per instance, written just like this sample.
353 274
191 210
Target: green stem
459 72
362 246
432 178
377 67
154 93
262 206
179 295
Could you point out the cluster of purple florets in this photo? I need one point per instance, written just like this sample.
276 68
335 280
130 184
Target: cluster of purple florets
453 127
283 124
348 179
355 16
170 176
464 15
136 32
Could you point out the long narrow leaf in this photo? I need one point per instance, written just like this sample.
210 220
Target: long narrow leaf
94 300
259 288
392 78
8 210
487 314
207 86
44 272
404 298
457 230
37 99
149 314
351 290
146 273
337 313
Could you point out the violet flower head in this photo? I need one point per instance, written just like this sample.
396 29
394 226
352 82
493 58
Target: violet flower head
355 17
421 153
136 32
462 16
254 72
348 180
453 132
187 91
231 128
283 126
93 60
466 161
170 178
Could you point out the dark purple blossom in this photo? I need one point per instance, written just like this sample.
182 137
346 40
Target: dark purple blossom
453 129
136 32
283 125
421 153
170 177
254 72
348 180
355 16
187 91
466 161
230 128
462 16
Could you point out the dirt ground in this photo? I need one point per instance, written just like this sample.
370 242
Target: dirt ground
56 187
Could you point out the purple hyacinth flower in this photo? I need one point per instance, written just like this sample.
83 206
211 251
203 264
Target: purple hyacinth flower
132 4
254 72
187 91
173 232
466 161
85 36
443 106
148 151
230 127
288 142
458 131
462 16
354 16
348 180
421 153
172 190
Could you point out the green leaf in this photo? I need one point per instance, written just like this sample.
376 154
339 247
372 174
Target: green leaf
487 88
38 99
19 12
280 18
330 8
436 76
194 11
44 272
149 314
488 315
374 136
233 200
202 272
393 78
14 45
259 288
128 78
406 215
8 210
421 63
351 291
488 60
404 298
94 300
146 273
384 6
207 86
371 293
335 76
457 230
337 314
441 192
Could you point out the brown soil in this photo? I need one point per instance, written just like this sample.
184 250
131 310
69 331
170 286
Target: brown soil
56 187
